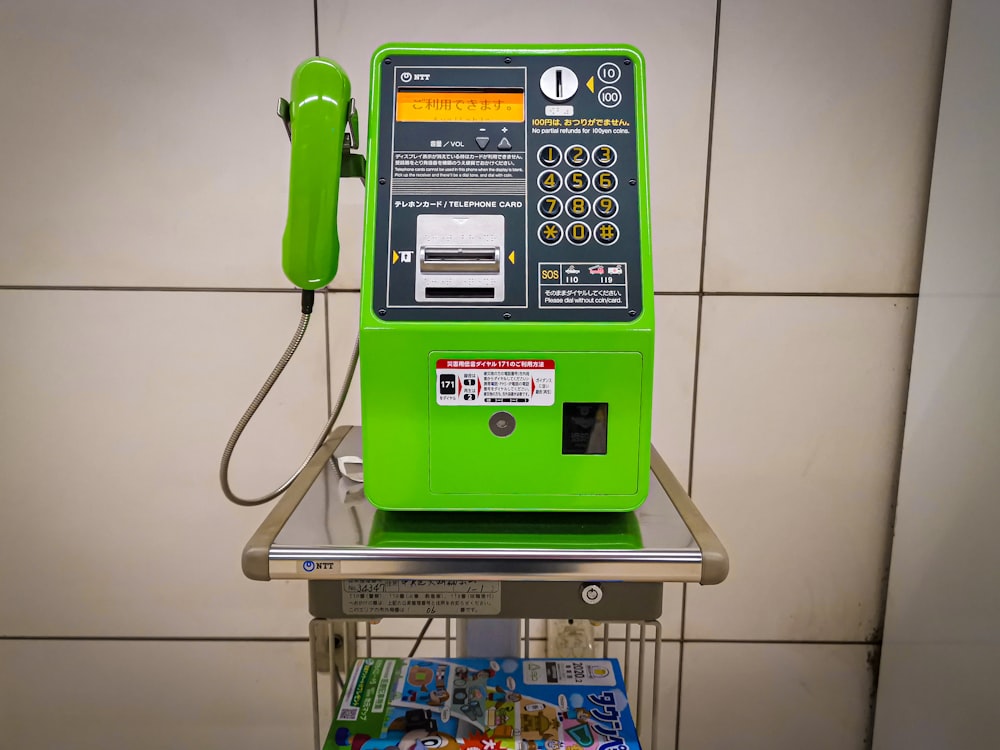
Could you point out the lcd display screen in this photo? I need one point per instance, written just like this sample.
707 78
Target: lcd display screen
459 105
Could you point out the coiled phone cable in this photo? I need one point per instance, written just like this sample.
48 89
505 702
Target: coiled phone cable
227 454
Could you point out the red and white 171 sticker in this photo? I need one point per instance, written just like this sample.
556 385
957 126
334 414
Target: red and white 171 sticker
478 382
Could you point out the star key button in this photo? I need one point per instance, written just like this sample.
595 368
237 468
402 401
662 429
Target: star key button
550 233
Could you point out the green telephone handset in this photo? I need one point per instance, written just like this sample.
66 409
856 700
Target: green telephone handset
317 117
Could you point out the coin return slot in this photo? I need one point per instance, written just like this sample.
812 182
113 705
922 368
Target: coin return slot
459 292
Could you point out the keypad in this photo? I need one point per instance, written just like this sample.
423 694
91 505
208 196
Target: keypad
589 194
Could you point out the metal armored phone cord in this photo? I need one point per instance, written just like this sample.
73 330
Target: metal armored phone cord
227 454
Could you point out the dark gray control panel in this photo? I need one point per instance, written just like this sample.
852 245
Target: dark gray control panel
508 188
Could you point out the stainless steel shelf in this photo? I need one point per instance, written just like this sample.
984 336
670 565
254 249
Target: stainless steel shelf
322 530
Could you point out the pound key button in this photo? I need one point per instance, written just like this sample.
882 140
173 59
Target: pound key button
606 233
550 233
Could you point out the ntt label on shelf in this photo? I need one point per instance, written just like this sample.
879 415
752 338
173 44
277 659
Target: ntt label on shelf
417 597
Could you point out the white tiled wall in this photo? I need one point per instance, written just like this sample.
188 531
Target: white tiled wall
141 151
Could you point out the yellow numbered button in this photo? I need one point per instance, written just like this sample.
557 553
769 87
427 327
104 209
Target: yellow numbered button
550 207
549 155
578 207
549 181
577 181
550 233
605 156
576 156
578 232
605 181
605 207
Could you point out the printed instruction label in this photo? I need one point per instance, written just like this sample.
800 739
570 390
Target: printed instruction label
583 284
416 597
477 382
568 672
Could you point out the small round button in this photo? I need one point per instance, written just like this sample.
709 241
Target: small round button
606 233
550 233
605 207
550 207
609 73
558 83
578 232
577 181
576 156
605 181
604 155
578 207
549 155
549 181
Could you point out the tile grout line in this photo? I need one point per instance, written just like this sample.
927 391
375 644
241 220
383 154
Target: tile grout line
697 353
858 295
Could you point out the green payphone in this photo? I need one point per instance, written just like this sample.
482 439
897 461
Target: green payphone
506 333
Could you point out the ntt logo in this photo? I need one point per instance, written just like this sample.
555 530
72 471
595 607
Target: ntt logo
308 566
406 76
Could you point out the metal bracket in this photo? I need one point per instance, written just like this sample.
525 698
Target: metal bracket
285 115
351 164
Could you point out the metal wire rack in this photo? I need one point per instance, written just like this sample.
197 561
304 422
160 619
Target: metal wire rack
334 646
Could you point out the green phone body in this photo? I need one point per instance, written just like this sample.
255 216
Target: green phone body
507 314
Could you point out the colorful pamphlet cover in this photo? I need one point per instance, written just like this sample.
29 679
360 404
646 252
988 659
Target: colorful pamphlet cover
481 704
